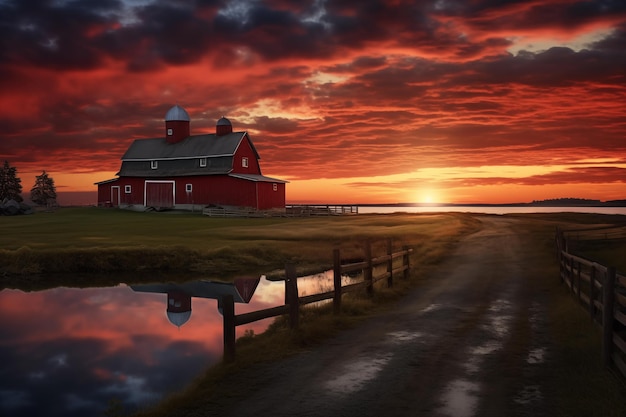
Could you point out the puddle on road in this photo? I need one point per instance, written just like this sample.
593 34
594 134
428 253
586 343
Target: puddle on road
472 365
356 374
460 399
536 356
432 307
528 395
487 348
404 336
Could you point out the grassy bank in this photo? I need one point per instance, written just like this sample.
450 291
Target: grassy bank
100 246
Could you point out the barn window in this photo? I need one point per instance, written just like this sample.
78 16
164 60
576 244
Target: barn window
275 187
154 164
170 132
128 189
188 187
202 162
244 162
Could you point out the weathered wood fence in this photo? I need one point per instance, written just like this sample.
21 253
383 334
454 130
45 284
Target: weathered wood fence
292 210
397 265
602 291
320 209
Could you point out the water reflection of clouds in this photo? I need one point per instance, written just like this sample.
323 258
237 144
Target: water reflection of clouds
69 352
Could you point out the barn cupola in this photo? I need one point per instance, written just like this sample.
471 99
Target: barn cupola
176 124
223 127
178 308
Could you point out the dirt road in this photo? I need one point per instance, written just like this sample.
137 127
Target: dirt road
472 343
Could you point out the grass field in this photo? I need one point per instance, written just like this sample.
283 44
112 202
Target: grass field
97 245
92 240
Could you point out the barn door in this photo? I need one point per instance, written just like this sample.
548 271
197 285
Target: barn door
115 196
160 194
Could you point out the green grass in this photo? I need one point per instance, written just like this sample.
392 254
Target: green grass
92 240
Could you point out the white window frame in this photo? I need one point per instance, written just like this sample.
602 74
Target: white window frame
128 189
188 188
244 162
275 187
154 164
202 162
170 131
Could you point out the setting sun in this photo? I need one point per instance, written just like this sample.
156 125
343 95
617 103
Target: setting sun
426 197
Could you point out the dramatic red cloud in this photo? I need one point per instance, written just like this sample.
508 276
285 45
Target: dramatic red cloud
379 101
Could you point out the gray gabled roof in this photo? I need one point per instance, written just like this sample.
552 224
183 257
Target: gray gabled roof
196 146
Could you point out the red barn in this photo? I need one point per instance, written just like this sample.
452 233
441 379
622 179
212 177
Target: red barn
183 171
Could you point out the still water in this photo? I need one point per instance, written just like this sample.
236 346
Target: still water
489 209
70 352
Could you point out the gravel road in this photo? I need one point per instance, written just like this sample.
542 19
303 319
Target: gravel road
472 342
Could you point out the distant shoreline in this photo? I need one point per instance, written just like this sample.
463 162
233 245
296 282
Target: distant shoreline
89 198
616 203
620 203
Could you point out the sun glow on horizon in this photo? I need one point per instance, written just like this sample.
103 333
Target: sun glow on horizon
428 196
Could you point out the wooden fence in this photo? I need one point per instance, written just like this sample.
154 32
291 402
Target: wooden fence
602 291
320 209
293 210
397 264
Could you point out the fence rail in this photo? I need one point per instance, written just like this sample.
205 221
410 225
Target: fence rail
602 291
293 210
369 267
320 209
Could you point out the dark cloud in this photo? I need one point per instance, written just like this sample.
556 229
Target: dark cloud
401 84
50 35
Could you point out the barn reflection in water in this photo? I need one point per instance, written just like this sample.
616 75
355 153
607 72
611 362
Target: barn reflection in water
179 295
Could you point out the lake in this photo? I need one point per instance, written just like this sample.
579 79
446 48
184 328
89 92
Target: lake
490 209
70 352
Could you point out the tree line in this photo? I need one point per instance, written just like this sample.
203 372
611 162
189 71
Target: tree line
43 192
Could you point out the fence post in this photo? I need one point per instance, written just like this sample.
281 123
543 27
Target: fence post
559 252
390 263
291 293
367 273
406 262
337 281
228 310
578 289
608 300
592 292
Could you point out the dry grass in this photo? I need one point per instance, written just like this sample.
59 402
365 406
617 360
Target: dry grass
91 240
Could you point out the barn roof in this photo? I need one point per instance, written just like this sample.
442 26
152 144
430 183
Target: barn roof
257 178
196 146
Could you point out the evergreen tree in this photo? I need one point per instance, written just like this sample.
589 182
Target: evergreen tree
10 184
44 192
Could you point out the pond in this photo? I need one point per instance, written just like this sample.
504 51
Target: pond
73 352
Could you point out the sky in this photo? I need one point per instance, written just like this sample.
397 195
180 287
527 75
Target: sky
484 101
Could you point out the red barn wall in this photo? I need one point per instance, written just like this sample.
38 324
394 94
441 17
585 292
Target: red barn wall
270 198
217 189
104 193
245 151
